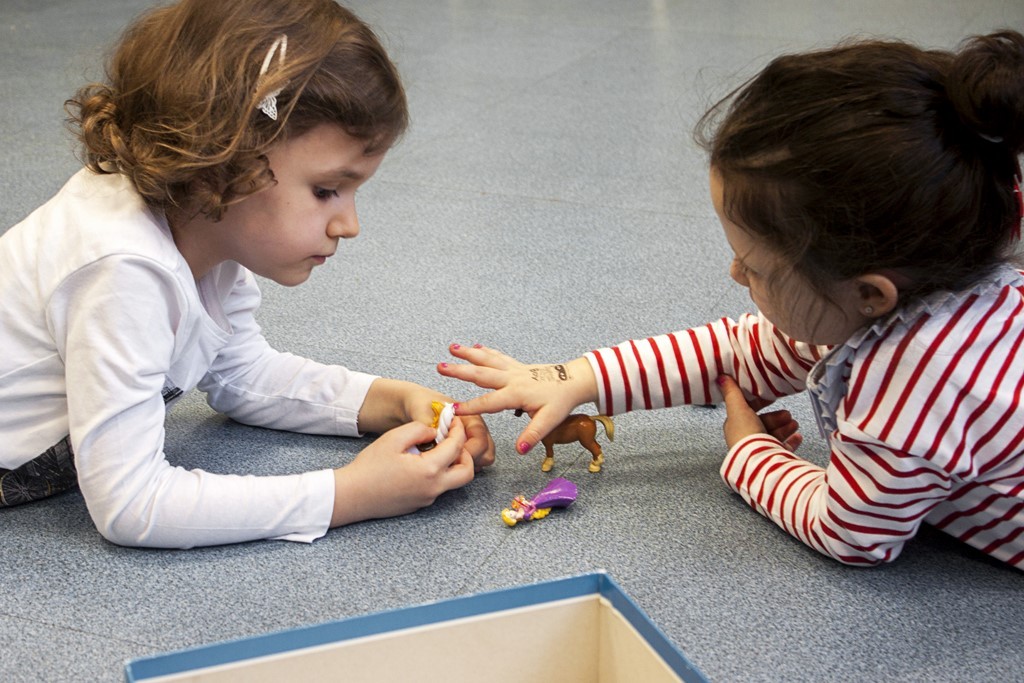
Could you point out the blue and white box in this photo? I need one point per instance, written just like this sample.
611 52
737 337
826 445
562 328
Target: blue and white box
578 629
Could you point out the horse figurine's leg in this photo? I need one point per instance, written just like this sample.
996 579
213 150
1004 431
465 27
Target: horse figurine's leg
597 458
586 435
609 431
581 428
549 455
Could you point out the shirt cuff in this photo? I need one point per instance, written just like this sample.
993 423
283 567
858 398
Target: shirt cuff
318 509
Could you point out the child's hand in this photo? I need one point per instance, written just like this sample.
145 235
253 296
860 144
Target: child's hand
548 393
385 480
391 403
742 421
478 438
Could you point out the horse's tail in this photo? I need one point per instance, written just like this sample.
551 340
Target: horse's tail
609 426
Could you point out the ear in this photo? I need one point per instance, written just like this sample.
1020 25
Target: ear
877 295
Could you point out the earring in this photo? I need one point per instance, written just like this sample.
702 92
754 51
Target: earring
868 310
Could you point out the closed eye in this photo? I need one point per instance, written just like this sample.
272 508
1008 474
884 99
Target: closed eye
323 193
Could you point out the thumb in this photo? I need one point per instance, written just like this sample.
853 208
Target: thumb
451 447
541 424
732 394
409 435
736 402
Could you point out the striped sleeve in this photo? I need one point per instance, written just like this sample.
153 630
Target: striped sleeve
931 429
860 509
680 368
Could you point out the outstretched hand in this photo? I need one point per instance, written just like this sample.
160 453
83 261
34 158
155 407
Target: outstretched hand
548 393
742 419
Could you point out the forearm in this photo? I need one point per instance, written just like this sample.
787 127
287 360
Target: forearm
860 510
390 403
286 392
680 368
136 498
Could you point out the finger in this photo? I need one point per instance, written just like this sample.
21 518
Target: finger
423 412
793 442
460 472
493 402
407 437
776 419
447 452
542 424
481 355
479 442
758 403
785 431
484 377
733 395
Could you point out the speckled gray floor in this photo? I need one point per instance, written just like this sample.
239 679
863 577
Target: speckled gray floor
547 200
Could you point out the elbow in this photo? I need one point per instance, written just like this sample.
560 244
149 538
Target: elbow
131 527
124 529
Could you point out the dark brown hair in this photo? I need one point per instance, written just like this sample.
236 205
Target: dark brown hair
178 112
878 155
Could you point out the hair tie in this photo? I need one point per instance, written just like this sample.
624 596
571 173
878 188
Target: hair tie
268 105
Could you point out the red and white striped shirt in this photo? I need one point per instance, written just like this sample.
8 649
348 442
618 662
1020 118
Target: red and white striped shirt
923 412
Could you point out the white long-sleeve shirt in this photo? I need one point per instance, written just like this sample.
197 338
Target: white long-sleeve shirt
923 412
100 319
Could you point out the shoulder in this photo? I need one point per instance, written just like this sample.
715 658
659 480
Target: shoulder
940 362
104 214
979 319
92 218
947 324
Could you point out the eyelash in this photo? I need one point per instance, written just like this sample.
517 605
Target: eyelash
323 194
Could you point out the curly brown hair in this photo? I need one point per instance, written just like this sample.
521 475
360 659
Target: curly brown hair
178 114
878 156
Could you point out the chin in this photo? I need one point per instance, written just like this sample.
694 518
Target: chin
291 281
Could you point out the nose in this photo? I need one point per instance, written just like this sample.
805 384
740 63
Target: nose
344 223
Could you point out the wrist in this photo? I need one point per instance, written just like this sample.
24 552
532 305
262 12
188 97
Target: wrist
348 504
583 381
385 406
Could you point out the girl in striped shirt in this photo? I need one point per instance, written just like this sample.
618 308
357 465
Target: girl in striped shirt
870 194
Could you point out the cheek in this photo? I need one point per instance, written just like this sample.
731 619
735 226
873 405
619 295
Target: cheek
762 294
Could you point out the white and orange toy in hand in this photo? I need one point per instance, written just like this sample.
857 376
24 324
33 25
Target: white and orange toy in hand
444 413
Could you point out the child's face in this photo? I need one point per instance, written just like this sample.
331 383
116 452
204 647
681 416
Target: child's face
283 232
784 297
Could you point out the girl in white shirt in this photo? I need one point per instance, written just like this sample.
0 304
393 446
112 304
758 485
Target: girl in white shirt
871 196
229 140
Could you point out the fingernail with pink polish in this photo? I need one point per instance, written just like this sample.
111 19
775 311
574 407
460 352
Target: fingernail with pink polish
523 448
444 365
456 347
720 380
478 346
455 408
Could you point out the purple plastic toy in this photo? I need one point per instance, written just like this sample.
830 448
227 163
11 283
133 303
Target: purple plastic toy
558 493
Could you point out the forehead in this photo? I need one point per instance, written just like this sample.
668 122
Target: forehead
326 149
748 247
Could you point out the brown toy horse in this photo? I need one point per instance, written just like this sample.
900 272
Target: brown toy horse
582 428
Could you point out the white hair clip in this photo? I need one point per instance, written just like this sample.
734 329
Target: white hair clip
268 105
